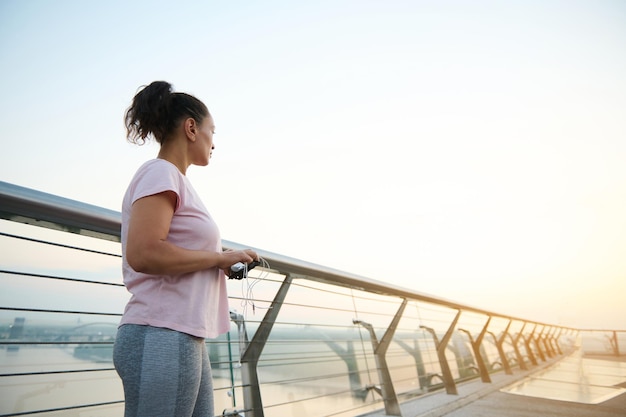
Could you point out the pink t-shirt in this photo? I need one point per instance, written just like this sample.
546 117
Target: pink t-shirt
193 303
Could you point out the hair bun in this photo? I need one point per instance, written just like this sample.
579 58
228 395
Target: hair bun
156 109
158 94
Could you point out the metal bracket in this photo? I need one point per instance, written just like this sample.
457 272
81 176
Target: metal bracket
515 341
529 350
480 363
390 399
448 380
537 340
251 351
499 342
614 343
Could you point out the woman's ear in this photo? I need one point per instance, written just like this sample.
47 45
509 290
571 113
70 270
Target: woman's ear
191 128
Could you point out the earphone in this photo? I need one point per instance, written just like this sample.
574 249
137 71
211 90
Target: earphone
247 286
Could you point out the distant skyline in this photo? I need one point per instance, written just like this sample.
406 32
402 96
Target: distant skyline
469 150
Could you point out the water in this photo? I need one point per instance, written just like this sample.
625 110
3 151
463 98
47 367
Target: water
50 386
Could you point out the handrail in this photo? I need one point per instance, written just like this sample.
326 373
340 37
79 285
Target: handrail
326 339
29 206
25 205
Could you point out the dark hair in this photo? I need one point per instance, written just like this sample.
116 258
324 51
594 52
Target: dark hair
156 110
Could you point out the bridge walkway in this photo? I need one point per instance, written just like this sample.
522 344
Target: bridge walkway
576 386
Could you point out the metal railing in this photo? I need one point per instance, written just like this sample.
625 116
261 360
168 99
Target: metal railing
304 340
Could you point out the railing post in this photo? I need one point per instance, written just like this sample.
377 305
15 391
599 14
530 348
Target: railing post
516 339
446 374
518 355
555 341
251 351
499 342
392 406
480 363
537 340
546 342
529 350
614 343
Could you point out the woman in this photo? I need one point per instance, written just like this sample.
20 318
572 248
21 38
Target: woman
173 263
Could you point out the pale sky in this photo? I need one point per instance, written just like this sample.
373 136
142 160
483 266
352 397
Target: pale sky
473 150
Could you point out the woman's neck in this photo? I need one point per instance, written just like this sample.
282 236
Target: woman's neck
176 155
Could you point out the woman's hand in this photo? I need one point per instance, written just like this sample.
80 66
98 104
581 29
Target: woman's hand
231 257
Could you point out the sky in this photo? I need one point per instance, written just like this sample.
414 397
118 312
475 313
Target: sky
469 150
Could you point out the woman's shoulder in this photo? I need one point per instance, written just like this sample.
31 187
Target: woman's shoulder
156 175
157 168
158 164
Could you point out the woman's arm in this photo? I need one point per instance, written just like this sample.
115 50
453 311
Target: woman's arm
148 251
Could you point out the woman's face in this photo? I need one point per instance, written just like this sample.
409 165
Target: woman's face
204 141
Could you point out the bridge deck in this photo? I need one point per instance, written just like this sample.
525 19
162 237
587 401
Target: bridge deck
573 387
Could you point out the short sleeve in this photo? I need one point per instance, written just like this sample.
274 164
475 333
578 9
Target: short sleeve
155 177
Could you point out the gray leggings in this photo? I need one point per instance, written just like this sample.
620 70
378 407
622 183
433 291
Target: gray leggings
164 372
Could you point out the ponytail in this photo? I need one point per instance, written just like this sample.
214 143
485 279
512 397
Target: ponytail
157 110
